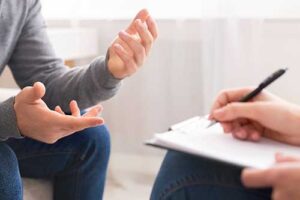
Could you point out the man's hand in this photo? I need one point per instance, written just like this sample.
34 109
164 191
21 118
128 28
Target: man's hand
130 49
266 115
35 120
284 178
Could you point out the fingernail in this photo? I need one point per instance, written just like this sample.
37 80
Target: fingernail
98 108
225 129
118 46
139 24
100 121
218 112
241 134
124 34
138 21
255 137
210 116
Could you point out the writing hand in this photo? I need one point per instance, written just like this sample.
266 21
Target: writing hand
266 115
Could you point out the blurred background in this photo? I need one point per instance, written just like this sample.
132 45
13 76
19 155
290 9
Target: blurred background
203 46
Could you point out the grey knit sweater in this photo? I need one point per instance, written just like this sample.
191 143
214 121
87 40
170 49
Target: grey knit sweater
25 48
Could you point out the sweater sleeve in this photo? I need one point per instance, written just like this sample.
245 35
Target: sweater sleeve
33 59
8 120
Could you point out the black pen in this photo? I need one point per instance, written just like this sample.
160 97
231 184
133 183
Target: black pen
255 92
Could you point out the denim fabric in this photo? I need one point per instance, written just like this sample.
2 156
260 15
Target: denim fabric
186 177
10 180
77 165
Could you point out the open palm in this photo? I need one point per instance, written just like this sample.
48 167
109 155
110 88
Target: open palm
37 121
130 49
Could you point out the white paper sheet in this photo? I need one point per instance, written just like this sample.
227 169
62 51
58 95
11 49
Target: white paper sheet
192 137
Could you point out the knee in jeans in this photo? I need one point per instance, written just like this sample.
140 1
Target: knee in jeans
8 158
97 142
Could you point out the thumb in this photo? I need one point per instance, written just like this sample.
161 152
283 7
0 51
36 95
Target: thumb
281 158
254 178
142 15
237 110
36 92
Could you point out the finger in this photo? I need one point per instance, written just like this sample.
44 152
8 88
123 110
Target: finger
90 122
87 122
71 124
255 136
252 133
93 112
145 35
240 133
36 92
135 46
74 109
233 111
228 96
277 194
227 127
131 66
236 128
39 89
281 158
126 47
59 110
257 178
152 26
244 131
142 15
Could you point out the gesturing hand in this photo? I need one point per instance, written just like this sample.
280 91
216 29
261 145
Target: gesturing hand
130 49
266 115
35 120
284 178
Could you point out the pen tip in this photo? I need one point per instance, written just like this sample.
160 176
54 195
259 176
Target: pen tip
211 124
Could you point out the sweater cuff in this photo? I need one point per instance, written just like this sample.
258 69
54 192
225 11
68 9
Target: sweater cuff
8 120
107 80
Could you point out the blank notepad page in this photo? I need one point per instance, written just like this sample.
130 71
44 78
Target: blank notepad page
192 137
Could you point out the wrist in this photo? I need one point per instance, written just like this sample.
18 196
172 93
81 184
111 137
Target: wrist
113 64
115 73
105 79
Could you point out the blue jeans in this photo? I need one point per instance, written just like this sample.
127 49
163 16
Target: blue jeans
76 164
186 177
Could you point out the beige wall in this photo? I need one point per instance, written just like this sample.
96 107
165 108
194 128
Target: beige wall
7 80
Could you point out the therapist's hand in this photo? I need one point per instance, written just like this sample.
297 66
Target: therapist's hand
284 178
130 49
35 120
266 115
